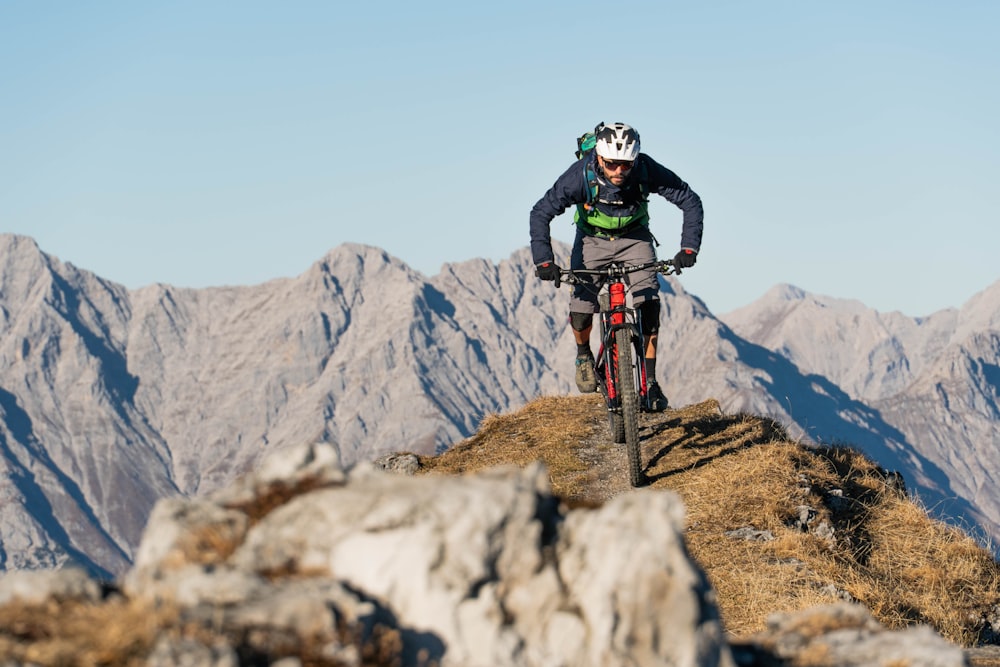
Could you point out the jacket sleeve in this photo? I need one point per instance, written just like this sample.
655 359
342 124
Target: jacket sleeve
569 189
670 186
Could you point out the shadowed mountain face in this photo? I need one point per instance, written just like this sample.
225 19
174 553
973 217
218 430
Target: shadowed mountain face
933 380
113 398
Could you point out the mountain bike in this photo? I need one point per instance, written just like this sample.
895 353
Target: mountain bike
619 364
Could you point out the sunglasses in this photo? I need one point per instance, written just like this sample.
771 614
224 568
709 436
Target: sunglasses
615 165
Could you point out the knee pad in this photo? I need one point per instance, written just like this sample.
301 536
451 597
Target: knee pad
649 313
581 321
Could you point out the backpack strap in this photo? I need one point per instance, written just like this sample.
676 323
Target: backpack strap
643 177
593 184
590 179
590 176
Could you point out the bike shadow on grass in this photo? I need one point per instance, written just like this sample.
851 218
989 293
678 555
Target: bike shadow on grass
703 440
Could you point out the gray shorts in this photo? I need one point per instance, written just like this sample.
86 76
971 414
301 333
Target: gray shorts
596 252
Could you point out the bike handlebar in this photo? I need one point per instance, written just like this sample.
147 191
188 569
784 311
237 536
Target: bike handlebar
619 269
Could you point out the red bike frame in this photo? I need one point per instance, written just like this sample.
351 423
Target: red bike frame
617 319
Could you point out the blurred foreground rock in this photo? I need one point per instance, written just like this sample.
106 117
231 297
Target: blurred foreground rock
302 561
845 635
483 570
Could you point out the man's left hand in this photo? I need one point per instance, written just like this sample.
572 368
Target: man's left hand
685 259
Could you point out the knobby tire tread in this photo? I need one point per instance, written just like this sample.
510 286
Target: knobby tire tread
628 395
616 426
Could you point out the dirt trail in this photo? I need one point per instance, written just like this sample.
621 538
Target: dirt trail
571 436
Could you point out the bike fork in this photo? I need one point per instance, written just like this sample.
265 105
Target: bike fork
616 319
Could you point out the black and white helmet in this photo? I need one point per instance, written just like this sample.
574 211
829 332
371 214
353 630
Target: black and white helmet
617 141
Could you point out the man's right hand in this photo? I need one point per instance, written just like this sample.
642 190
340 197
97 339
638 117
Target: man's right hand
548 271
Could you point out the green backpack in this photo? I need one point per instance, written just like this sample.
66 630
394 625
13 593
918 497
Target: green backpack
585 144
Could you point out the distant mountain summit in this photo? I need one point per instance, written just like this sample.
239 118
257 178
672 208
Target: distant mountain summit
934 379
113 398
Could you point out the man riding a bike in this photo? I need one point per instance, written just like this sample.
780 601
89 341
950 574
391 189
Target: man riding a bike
610 186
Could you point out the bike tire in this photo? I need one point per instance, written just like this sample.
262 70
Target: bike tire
629 399
617 427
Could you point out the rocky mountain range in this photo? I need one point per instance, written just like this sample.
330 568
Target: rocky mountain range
113 398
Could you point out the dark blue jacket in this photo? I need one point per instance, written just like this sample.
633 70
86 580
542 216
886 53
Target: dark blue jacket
571 189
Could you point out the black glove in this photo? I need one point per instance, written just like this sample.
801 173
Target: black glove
548 271
685 259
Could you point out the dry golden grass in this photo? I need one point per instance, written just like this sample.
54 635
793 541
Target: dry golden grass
122 633
737 471
114 633
561 434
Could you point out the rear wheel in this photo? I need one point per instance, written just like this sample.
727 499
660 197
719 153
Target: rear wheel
629 400
617 427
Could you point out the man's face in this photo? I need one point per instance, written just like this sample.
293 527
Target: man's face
615 170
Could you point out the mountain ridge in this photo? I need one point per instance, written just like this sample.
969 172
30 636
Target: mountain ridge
114 398
756 501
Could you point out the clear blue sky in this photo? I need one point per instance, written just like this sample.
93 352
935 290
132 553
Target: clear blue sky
851 148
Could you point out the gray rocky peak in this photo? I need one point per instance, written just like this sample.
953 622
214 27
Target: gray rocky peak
112 399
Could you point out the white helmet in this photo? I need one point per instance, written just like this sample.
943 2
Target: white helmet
617 141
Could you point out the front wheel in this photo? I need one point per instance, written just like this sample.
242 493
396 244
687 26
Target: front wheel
606 372
629 400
